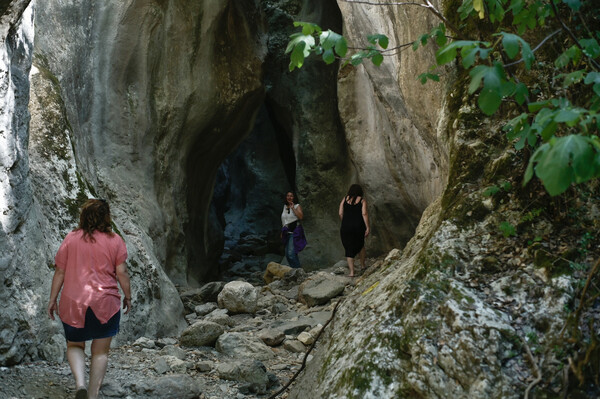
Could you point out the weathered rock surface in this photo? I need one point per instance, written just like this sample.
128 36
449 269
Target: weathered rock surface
249 371
395 127
275 271
238 297
201 333
319 289
243 345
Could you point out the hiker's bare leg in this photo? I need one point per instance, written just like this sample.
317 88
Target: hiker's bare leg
98 365
76 358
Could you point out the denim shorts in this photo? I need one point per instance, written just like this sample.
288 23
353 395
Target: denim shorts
92 328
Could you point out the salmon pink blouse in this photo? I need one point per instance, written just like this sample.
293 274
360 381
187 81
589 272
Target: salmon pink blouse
90 276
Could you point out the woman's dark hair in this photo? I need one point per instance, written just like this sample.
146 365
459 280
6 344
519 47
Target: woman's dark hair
285 197
94 216
354 191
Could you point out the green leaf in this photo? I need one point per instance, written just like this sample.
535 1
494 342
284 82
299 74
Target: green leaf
357 58
571 78
425 76
590 47
308 28
297 56
507 229
477 75
341 46
528 56
573 4
381 39
297 39
489 100
521 93
572 54
536 106
328 56
537 155
491 95
447 53
555 167
491 191
328 39
568 116
511 45
478 6
506 186
508 88
592 77
377 59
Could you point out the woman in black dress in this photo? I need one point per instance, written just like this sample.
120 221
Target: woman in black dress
355 225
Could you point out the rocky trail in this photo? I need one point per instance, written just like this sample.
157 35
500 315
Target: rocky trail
243 341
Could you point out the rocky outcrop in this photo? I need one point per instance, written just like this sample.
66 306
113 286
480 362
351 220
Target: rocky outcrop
395 127
128 101
156 102
22 264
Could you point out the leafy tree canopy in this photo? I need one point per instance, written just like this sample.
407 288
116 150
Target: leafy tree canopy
492 41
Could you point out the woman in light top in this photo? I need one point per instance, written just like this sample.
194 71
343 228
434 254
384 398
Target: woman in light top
355 225
89 263
290 217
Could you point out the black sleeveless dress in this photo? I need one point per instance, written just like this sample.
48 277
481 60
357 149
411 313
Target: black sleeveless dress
353 229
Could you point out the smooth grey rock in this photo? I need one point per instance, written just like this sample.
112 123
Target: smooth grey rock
271 336
144 342
171 386
219 316
54 349
243 345
319 290
206 308
306 338
204 366
238 297
294 346
175 351
209 292
252 372
161 366
293 327
201 333
162 342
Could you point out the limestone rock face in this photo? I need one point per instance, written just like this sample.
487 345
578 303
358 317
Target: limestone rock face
129 100
157 94
23 267
394 126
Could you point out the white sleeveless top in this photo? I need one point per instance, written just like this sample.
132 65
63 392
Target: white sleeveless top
287 218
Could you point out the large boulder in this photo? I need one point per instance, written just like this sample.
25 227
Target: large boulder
242 345
201 333
251 372
319 289
238 297
275 271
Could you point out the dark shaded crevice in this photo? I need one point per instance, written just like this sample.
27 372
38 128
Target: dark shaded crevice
280 119
203 239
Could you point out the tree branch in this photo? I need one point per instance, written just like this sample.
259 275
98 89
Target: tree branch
385 4
593 62
536 47
536 369
426 4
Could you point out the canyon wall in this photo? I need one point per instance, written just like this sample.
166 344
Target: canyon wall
144 102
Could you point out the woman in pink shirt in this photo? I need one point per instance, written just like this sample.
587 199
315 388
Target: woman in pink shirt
89 263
